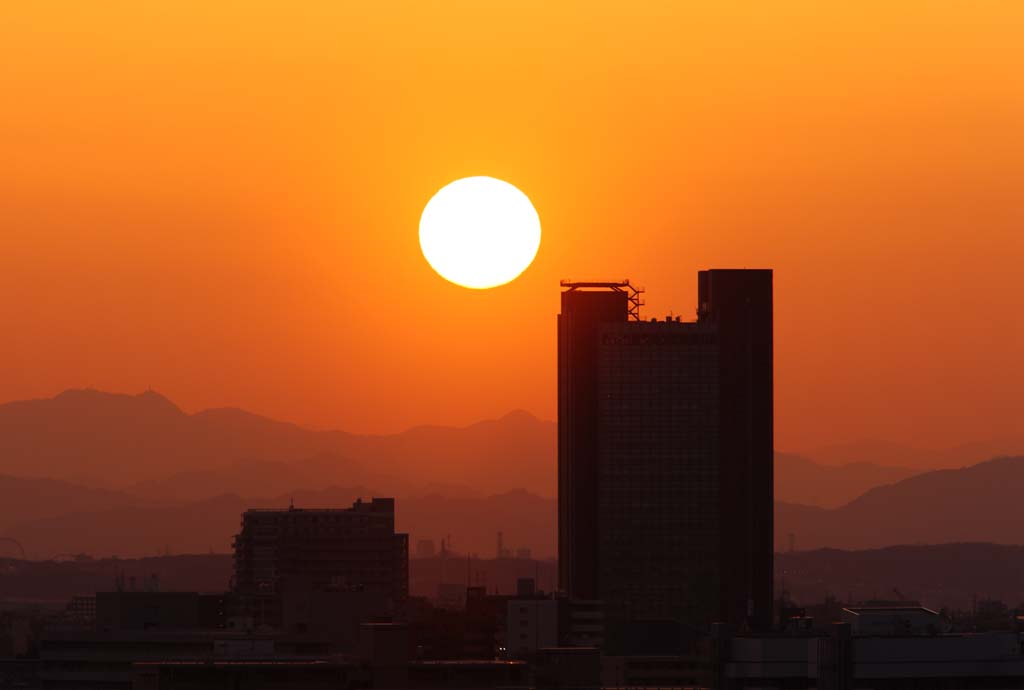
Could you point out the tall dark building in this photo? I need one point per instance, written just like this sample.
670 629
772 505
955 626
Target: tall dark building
665 453
281 554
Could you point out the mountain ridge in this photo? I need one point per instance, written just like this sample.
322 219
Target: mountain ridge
137 453
116 441
973 503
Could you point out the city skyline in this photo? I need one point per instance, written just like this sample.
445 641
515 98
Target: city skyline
511 345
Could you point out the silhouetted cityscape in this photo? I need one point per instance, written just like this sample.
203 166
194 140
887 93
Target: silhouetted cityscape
669 570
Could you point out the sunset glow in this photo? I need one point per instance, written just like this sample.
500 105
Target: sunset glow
511 344
208 201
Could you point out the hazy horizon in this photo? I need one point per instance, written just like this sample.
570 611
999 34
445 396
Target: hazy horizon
832 454
233 220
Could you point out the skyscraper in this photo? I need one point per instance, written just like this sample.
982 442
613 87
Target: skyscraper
665 453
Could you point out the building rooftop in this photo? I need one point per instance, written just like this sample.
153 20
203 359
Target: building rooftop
244 662
438 663
359 504
859 610
467 662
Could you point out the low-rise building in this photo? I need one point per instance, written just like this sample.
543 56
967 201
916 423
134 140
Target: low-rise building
680 671
351 549
138 610
531 624
844 661
893 620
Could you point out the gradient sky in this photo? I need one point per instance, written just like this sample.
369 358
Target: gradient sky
220 200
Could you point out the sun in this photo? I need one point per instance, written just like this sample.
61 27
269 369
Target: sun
479 232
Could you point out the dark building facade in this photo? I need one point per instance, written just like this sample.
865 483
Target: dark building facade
665 454
133 610
283 555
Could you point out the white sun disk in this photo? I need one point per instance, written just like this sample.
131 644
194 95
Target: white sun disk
479 232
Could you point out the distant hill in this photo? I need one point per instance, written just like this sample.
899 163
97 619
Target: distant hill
265 478
901 455
24 500
977 503
119 441
176 481
801 480
943 575
144 529
973 504
146 445
525 519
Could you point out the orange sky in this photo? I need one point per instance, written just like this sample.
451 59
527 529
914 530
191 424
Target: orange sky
221 199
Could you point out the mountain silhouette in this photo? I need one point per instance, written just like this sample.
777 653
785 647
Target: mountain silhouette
119 441
979 503
974 504
137 475
24 500
145 444
902 455
941 575
803 481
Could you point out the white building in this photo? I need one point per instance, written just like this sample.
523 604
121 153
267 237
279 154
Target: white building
842 661
531 624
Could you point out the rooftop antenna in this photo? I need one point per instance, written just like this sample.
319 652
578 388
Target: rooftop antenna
632 292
